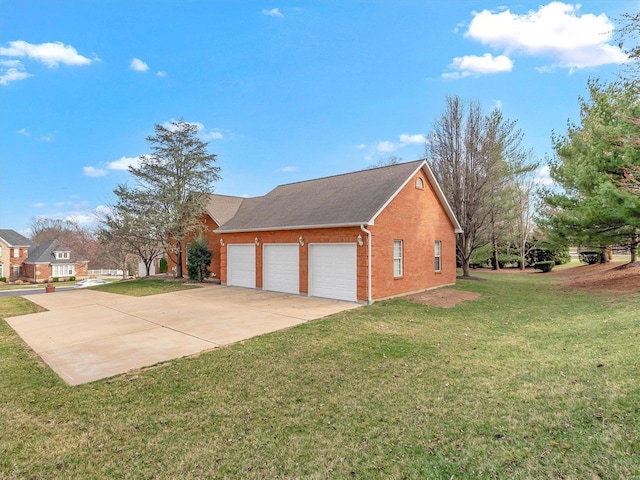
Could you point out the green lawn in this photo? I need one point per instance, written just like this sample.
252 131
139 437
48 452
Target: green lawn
144 287
528 382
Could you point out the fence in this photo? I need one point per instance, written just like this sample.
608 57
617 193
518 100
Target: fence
107 272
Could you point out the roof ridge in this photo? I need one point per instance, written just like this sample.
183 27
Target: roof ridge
350 173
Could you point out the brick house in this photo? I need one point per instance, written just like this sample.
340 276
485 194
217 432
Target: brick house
51 260
14 250
359 236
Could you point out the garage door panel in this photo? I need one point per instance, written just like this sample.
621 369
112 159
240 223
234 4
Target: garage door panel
281 268
241 265
333 271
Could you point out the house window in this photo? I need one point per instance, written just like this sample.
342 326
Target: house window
16 252
63 270
397 258
16 271
437 255
419 183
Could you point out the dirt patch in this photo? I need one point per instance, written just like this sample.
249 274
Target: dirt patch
443 298
608 277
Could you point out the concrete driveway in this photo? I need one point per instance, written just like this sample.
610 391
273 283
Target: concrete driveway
87 335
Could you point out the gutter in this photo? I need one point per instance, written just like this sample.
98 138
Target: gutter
292 227
369 301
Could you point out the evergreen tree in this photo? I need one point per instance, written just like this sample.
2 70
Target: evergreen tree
199 259
593 164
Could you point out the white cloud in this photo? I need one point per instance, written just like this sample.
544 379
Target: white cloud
93 172
11 71
361 146
123 163
39 205
386 147
23 131
556 31
542 176
50 53
287 169
82 218
47 138
418 138
474 65
169 125
274 12
161 74
212 135
138 65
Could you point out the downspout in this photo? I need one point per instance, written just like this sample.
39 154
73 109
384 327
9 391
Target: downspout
369 301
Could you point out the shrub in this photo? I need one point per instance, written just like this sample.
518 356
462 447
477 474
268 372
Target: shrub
545 251
545 266
198 260
508 258
589 257
72 278
3 279
164 266
56 279
562 256
479 258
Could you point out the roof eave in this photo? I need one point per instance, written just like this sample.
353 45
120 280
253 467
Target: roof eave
294 227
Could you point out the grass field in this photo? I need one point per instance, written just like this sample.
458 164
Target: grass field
530 381
144 287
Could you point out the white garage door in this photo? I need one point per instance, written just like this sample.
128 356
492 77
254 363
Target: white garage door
281 268
333 271
241 265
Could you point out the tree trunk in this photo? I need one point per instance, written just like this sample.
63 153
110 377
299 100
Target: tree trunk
604 256
465 267
179 273
496 262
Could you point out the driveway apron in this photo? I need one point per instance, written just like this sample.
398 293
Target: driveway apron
87 335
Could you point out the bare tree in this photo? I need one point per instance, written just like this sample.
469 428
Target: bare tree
524 210
473 155
69 233
132 230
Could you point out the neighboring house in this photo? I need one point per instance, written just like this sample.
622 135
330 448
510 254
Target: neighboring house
359 236
14 250
52 260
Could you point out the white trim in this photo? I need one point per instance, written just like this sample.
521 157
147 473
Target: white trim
296 227
368 232
400 273
436 187
56 267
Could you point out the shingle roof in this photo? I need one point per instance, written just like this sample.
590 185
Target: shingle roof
14 239
341 200
222 208
43 253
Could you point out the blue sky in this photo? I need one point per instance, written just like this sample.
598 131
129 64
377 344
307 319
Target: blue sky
283 91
